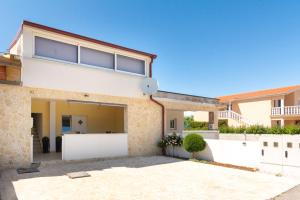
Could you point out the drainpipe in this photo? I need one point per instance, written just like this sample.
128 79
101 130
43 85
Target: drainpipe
158 103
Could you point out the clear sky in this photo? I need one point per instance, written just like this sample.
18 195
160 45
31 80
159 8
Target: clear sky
208 48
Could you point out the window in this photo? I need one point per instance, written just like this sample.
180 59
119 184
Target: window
131 65
289 145
54 49
265 144
97 58
277 103
66 124
275 144
173 124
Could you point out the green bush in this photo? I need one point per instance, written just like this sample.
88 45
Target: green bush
199 125
194 143
292 130
190 124
223 123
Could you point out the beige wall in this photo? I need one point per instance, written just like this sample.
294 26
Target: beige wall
144 121
290 99
201 116
179 116
256 110
15 126
99 118
42 107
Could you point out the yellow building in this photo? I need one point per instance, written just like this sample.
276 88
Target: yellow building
279 106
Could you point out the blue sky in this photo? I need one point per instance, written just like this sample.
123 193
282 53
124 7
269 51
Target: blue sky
207 48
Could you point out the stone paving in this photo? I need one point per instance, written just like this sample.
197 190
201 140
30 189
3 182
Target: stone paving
154 177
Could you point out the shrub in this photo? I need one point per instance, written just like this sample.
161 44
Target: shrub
256 129
194 143
223 123
292 130
199 125
190 124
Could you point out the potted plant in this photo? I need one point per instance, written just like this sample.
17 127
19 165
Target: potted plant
46 144
58 140
170 140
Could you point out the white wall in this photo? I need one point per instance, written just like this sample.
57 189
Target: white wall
226 151
43 73
281 159
84 146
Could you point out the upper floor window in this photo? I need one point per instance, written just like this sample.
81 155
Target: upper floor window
97 58
277 103
131 65
67 52
56 50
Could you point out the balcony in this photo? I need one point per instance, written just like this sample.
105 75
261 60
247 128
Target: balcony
10 69
285 111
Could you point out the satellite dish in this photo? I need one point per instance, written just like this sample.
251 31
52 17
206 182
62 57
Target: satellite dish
150 86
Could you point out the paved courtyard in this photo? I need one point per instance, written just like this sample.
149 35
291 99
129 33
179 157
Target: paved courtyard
155 177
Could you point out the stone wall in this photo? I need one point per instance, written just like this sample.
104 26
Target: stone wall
144 121
15 126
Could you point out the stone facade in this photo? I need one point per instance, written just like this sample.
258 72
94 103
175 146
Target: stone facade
143 119
15 126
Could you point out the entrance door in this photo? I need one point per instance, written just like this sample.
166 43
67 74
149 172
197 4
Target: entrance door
79 124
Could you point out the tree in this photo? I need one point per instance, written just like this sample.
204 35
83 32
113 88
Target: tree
193 143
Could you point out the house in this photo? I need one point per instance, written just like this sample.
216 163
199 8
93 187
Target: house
279 106
56 83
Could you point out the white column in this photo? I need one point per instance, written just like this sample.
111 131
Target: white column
282 122
229 106
282 106
216 119
52 125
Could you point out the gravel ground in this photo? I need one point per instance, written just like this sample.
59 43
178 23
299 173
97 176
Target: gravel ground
155 177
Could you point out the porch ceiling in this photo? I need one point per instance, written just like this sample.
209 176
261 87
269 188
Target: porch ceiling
184 102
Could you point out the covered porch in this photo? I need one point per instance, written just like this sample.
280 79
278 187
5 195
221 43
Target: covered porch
78 129
176 104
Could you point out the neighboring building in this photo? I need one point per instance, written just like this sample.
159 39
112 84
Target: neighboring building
56 83
279 106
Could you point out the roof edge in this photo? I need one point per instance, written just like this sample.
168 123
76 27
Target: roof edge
77 36
260 96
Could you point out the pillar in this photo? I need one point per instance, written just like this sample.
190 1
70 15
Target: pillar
52 125
282 122
213 118
282 106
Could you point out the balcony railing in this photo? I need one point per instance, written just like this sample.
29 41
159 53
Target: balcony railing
287 110
237 117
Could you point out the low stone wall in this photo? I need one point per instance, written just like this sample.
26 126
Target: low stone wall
207 134
240 136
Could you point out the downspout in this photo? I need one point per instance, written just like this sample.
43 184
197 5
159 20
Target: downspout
158 103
